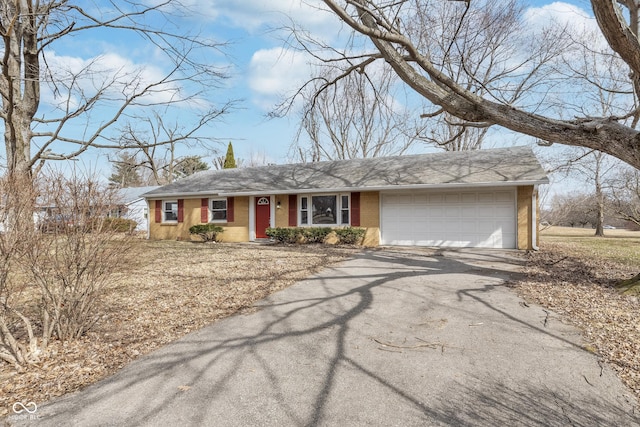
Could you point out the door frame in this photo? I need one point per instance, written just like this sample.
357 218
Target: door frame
252 214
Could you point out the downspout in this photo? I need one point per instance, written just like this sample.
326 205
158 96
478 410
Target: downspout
534 218
148 219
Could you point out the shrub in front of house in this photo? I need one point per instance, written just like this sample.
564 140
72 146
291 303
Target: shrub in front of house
292 235
92 225
122 225
284 235
315 234
350 235
207 232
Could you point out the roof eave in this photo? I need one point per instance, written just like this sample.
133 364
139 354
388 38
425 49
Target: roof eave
391 187
438 186
183 195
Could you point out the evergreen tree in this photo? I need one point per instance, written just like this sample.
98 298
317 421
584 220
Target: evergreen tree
125 172
229 160
188 166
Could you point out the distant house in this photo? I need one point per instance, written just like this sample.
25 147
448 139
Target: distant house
133 206
485 198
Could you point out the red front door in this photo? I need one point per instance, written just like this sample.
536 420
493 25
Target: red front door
263 216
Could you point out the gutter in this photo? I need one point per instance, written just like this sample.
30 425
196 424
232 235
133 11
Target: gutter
534 218
148 220
442 186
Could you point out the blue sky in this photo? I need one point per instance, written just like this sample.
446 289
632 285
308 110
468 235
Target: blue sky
260 66
264 70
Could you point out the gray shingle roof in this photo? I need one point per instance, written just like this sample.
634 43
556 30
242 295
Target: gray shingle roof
501 166
131 194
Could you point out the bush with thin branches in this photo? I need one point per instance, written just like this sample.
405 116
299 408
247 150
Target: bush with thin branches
51 282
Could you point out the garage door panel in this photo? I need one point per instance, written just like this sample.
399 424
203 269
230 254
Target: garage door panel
452 212
485 197
484 227
469 198
485 218
451 228
504 211
469 227
486 211
504 196
421 200
434 212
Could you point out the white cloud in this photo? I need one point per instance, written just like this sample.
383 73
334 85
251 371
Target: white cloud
117 75
259 15
560 13
276 72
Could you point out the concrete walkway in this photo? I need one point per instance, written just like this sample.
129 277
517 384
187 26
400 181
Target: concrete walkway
391 337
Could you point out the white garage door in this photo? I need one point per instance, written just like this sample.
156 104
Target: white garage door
481 218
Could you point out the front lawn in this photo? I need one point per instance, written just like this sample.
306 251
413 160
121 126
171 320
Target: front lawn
620 246
168 290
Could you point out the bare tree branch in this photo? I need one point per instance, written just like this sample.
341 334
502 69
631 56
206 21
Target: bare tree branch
92 97
388 27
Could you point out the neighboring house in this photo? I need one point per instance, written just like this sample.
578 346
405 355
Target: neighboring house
40 214
485 198
133 206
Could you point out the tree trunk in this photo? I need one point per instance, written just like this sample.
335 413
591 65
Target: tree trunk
600 206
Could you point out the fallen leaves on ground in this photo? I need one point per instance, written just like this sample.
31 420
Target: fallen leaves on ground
581 288
171 289
179 287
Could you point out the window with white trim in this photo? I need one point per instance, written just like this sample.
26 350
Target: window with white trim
324 209
218 209
344 209
170 211
304 210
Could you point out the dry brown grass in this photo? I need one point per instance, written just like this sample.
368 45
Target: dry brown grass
575 277
169 290
560 232
620 246
173 288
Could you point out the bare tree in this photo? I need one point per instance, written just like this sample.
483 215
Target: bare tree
353 116
400 32
626 196
18 344
95 95
155 143
453 134
593 69
476 56
572 210
593 169
597 169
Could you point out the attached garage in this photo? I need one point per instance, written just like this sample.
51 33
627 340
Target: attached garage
483 218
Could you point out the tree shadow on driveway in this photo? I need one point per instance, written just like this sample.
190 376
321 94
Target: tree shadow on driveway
390 337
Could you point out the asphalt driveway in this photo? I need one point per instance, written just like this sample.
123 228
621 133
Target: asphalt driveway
391 337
